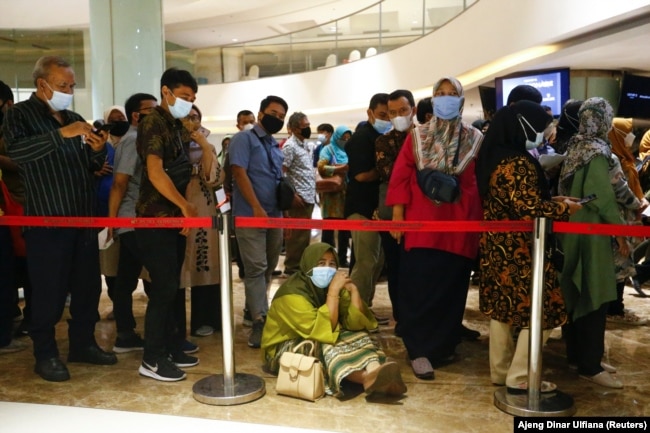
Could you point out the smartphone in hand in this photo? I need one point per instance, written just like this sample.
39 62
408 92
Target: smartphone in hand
587 199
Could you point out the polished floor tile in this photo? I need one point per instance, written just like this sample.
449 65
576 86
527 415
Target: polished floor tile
460 399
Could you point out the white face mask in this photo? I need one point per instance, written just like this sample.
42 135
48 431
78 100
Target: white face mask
247 127
59 101
322 138
629 137
402 123
180 109
539 136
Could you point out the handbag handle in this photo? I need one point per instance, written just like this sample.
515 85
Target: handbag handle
303 343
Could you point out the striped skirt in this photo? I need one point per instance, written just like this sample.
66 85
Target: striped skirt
353 351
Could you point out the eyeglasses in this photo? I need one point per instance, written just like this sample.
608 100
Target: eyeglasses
193 118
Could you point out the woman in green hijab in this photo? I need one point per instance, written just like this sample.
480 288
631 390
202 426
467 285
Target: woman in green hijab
320 304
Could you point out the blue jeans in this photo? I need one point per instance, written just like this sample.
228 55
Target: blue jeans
259 250
162 252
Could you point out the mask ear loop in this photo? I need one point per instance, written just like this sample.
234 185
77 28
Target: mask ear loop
572 120
520 118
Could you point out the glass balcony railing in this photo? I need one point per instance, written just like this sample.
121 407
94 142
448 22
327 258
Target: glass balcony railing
387 25
382 27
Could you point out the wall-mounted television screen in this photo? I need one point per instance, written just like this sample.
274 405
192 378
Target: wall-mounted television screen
635 96
552 83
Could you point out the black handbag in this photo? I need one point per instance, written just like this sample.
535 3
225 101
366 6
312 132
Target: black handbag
285 193
439 186
180 169
285 189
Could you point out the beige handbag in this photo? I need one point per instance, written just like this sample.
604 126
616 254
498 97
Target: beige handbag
300 376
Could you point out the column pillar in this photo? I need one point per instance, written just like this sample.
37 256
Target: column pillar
127 50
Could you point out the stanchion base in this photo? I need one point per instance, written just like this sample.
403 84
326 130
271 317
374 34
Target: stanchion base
554 403
211 390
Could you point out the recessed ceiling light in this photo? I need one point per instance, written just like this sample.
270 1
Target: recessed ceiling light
235 39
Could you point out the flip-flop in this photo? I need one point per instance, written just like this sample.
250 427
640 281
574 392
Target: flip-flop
522 388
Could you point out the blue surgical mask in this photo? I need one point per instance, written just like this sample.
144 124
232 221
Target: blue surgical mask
539 136
382 126
180 109
60 101
447 107
322 276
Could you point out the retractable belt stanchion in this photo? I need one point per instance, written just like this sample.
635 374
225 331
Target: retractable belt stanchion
229 388
535 404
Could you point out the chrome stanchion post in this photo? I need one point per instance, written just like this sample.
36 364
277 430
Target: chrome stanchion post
229 388
535 404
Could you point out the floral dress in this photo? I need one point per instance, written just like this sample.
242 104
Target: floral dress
505 257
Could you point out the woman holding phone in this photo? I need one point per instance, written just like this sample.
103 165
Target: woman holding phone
588 279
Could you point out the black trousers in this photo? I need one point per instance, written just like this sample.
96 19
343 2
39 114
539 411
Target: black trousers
432 295
162 252
7 286
585 341
62 261
128 272
205 307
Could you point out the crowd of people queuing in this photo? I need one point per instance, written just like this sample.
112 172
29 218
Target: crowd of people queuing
152 158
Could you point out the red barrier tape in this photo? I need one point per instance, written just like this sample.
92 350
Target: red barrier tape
360 225
101 222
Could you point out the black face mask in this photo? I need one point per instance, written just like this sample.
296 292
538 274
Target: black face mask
305 132
271 123
120 128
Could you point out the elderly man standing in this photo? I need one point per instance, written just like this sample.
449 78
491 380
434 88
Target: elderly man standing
256 162
298 166
58 152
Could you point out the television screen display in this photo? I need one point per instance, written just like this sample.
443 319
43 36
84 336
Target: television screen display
635 97
553 85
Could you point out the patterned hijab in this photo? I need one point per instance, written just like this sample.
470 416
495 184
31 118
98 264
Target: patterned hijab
595 117
435 143
299 283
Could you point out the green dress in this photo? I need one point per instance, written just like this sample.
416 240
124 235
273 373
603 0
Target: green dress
298 312
588 279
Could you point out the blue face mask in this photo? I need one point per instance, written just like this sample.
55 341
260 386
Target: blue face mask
382 126
322 276
447 107
180 109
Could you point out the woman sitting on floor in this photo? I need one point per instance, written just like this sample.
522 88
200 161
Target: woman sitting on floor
323 305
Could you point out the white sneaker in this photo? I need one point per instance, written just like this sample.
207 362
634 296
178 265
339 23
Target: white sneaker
605 379
204 331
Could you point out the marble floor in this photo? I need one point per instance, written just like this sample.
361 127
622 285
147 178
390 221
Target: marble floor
460 399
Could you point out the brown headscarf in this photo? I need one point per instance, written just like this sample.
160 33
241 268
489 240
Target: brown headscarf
620 128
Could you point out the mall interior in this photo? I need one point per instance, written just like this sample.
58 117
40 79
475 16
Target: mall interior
326 58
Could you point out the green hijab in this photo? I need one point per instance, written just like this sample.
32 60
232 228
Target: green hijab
300 283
